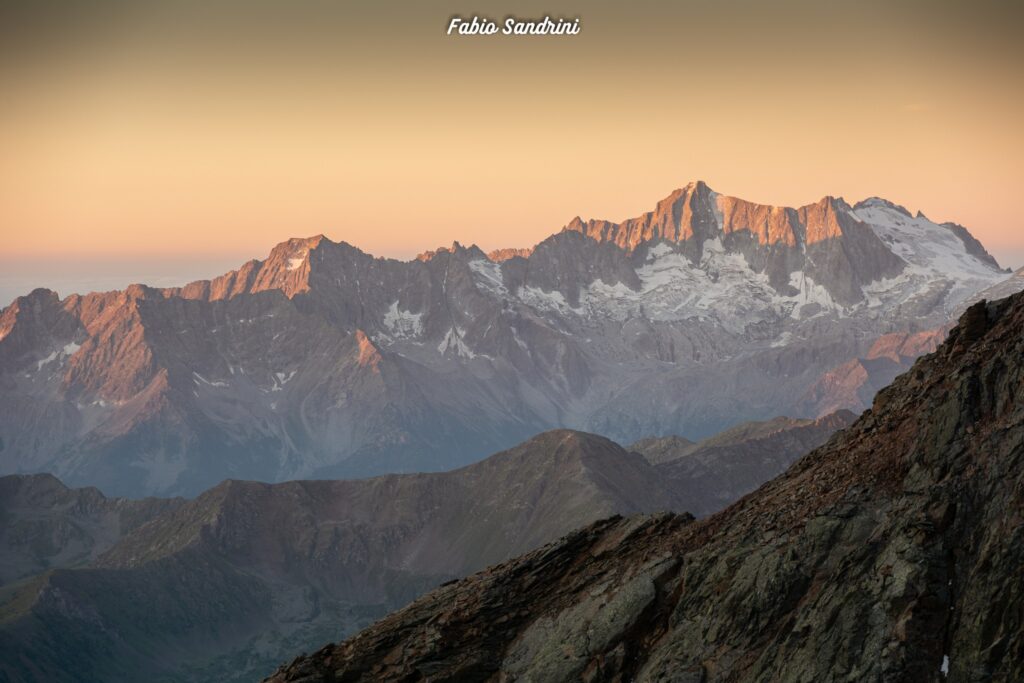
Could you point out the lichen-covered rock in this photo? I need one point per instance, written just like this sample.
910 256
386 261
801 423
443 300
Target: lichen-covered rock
559 647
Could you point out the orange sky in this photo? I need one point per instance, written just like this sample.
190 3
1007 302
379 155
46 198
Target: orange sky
159 133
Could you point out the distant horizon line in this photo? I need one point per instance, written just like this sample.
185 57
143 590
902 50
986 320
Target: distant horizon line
114 271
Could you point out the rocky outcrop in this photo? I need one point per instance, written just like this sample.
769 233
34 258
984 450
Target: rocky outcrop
499 255
891 553
33 321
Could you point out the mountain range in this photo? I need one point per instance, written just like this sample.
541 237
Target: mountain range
225 586
322 361
891 553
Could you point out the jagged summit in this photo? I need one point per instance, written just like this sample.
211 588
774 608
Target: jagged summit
881 202
886 554
499 255
695 211
456 248
847 251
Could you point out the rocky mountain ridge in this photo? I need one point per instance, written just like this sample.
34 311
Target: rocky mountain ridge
44 524
323 361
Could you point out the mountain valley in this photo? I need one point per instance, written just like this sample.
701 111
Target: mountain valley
226 585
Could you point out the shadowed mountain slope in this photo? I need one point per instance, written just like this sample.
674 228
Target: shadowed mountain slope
44 524
719 470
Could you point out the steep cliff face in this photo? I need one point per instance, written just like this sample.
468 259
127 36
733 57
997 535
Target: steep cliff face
704 313
855 382
827 240
891 553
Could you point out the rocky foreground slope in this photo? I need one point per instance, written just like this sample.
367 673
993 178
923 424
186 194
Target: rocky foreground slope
323 361
892 553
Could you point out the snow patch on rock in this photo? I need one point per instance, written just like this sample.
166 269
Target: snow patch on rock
489 274
722 286
200 379
280 379
810 292
453 342
537 298
403 324
297 259
932 253
658 250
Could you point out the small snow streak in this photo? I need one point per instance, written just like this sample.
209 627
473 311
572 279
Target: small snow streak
453 342
403 324
45 361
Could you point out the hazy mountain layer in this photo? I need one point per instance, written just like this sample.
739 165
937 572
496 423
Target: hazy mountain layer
719 470
44 524
247 573
224 586
892 553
